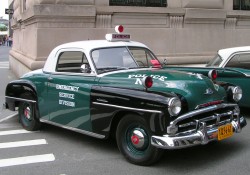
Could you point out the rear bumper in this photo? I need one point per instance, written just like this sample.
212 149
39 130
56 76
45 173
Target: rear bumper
200 137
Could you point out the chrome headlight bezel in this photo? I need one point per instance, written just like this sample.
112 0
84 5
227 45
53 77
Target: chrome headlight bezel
235 93
174 106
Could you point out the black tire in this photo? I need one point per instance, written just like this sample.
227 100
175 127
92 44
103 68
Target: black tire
27 114
137 150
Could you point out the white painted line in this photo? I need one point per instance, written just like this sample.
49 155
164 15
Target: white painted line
7 118
23 143
27 160
11 132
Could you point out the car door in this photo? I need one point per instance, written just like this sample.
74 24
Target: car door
69 91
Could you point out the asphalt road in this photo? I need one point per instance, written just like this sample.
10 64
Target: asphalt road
55 151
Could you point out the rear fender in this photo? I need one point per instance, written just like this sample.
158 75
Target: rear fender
14 91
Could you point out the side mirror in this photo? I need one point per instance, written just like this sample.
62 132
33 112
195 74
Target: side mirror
85 68
165 62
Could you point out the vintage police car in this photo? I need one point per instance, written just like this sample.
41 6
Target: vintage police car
118 87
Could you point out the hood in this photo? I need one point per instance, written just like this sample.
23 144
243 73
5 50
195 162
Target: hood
195 88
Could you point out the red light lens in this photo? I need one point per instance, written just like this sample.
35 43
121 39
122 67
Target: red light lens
120 28
212 74
148 82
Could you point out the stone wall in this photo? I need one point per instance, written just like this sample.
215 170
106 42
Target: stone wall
187 31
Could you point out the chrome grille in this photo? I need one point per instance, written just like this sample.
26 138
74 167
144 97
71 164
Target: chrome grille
212 116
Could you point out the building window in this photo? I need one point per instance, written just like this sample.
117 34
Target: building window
144 3
241 5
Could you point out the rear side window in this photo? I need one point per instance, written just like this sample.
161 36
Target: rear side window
71 61
240 61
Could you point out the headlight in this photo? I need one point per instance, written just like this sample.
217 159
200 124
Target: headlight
174 106
236 93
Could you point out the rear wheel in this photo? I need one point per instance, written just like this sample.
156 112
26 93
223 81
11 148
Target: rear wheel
27 115
133 140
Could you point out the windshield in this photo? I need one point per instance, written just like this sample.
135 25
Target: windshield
118 58
215 62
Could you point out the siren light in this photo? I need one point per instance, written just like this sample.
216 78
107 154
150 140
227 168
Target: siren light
118 36
119 29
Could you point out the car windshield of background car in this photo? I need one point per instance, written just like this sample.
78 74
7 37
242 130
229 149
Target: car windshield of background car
215 62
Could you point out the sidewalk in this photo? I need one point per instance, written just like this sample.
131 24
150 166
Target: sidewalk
6 76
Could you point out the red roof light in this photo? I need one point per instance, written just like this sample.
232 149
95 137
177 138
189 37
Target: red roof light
119 29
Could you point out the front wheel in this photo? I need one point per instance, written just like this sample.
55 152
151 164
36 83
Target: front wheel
27 115
133 140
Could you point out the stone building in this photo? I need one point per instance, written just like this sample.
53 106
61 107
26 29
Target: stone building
183 31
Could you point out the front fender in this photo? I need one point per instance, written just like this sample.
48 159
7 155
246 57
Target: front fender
109 105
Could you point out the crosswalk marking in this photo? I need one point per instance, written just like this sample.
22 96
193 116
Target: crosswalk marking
11 132
23 143
4 65
27 160
8 117
23 159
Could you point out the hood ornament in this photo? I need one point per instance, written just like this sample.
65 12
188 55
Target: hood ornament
209 91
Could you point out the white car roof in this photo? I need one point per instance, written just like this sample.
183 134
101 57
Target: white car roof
86 46
93 44
225 53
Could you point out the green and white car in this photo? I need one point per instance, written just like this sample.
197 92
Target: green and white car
117 87
232 66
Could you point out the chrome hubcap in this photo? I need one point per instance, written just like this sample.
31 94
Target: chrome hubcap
138 139
27 113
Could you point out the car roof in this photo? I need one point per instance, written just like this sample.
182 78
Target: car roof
93 44
225 53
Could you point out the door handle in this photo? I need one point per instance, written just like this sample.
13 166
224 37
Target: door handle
50 78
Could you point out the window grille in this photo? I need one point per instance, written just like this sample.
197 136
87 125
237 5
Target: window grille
144 3
241 5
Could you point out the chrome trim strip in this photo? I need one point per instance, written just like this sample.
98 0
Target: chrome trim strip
124 71
20 99
74 74
129 108
99 136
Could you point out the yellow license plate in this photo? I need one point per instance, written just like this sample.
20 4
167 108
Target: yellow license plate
225 131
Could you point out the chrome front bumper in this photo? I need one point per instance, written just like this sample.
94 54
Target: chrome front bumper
201 137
